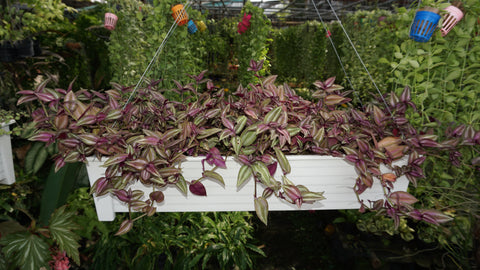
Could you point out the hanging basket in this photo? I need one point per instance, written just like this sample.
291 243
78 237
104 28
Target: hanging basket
201 26
192 28
110 21
452 17
424 24
332 175
7 174
179 14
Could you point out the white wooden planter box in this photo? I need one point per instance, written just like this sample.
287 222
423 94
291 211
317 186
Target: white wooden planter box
7 173
332 175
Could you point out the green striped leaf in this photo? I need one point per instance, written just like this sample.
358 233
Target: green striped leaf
261 208
283 161
244 174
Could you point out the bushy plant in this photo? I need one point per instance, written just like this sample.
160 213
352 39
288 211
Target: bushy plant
253 43
145 138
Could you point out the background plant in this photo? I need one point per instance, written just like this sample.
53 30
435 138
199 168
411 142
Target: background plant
143 27
253 44
167 240
297 53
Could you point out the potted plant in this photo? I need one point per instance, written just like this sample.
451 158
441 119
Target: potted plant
7 173
141 136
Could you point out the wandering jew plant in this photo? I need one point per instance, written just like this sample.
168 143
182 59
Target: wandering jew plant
147 138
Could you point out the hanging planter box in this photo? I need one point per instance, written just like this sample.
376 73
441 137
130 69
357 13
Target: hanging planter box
179 14
452 17
192 28
110 21
424 24
7 173
334 176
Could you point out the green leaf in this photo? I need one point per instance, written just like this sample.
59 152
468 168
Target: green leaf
248 137
256 249
414 63
261 208
241 122
283 161
214 175
244 174
453 75
57 188
36 157
26 250
260 168
182 185
61 229
273 115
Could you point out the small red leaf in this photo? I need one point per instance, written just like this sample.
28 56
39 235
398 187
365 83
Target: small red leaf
198 188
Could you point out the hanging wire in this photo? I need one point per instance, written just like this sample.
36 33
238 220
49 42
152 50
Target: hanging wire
338 56
360 58
154 58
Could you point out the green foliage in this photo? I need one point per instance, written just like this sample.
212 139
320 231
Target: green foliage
57 188
37 155
139 32
29 249
169 240
18 22
25 250
443 75
61 229
185 240
253 44
298 53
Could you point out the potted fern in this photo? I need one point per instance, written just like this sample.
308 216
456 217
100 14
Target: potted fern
145 136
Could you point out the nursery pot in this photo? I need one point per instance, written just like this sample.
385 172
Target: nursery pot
332 175
24 48
424 24
453 16
7 52
192 28
7 174
179 14
110 21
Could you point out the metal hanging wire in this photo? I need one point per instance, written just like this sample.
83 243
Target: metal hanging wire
336 53
359 57
155 56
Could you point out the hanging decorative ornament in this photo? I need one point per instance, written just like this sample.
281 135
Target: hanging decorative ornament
424 24
192 28
179 14
244 24
201 26
452 17
110 21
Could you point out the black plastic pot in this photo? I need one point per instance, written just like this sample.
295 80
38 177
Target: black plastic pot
8 53
37 50
24 48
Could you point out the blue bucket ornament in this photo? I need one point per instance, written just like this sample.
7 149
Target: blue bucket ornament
192 28
423 26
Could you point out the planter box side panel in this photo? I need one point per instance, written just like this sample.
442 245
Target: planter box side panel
333 176
7 173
